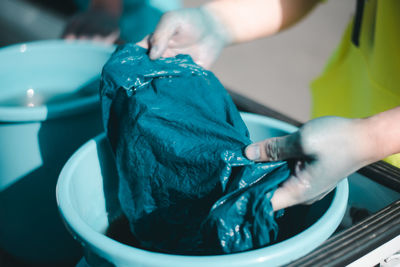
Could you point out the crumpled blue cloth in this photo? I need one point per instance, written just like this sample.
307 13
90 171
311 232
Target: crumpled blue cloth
184 183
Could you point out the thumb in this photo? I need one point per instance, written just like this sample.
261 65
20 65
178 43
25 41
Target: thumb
144 42
159 40
276 148
295 191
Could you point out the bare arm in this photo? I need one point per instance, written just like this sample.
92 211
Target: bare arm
326 150
246 20
383 132
203 32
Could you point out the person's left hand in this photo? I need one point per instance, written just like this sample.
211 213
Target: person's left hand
193 31
325 150
95 25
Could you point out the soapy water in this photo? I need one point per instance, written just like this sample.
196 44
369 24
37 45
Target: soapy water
39 97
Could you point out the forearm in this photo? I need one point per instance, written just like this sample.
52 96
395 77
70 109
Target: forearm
112 7
383 134
246 20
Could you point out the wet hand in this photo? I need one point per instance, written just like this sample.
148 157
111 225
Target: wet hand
193 31
324 150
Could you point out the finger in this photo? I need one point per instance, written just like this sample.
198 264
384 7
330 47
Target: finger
295 190
101 39
204 63
70 36
274 149
318 197
97 38
144 42
165 30
282 199
170 53
206 59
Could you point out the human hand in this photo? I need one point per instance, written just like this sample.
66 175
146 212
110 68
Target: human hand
193 31
324 150
95 25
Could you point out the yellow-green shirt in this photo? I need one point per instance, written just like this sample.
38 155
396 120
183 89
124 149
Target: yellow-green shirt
363 76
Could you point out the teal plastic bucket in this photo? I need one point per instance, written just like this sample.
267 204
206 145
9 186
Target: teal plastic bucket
49 106
87 198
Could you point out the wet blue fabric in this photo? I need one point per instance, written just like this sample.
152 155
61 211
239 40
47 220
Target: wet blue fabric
184 183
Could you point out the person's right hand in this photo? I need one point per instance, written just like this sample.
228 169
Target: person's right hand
193 31
95 25
325 150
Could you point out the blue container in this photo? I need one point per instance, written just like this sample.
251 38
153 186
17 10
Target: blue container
87 198
49 106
